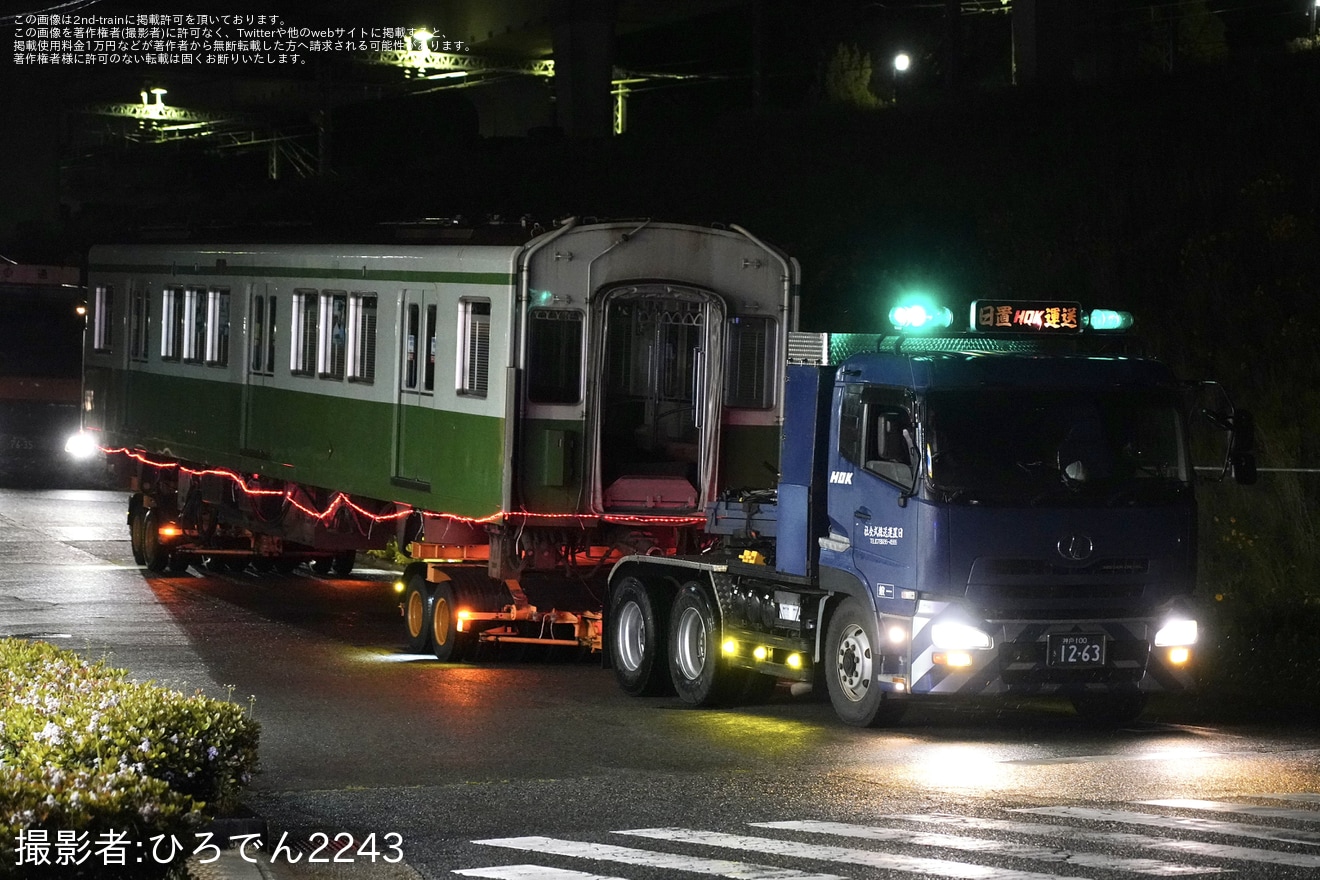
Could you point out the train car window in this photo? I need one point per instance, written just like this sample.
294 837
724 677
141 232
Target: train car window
258 362
217 324
749 370
362 337
194 325
554 356
139 322
474 366
428 379
334 335
306 315
103 317
171 323
411 337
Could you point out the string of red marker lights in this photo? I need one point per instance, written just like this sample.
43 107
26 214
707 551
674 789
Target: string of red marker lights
342 499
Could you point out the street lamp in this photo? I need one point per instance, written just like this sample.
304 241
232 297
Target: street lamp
902 61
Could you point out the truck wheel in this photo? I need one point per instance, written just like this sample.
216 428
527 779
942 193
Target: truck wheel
1109 710
417 614
447 642
637 639
694 653
852 660
155 555
137 532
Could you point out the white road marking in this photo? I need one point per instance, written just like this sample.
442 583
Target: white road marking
1154 867
531 872
605 852
1243 809
868 858
1180 823
1123 838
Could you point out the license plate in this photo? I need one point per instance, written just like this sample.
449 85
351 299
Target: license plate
1076 650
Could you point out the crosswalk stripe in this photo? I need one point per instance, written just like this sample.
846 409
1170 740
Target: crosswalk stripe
871 859
1304 797
1123 838
531 872
1243 809
1154 867
1180 823
605 852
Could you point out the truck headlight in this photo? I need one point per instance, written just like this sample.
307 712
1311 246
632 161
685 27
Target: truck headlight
958 637
81 446
1177 632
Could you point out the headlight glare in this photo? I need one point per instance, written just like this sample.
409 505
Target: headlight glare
81 445
1177 632
958 637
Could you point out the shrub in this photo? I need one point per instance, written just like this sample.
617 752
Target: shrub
87 755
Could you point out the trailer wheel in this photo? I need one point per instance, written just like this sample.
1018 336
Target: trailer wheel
344 562
417 614
1109 710
852 659
447 642
155 555
694 654
137 531
637 639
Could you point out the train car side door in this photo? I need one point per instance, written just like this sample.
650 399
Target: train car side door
263 302
418 317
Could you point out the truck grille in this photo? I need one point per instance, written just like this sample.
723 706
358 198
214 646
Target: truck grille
1045 567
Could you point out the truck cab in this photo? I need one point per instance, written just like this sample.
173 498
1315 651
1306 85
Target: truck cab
1006 510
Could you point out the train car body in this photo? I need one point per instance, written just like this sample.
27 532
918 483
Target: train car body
510 406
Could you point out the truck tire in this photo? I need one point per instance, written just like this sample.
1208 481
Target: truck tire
447 643
155 555
638 630
852 660
417 613
695 666
1109 710
137 515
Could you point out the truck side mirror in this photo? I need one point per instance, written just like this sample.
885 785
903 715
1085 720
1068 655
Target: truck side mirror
1243 466
1242 430
1242 447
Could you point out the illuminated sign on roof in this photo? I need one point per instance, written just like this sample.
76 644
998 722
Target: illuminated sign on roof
1026 316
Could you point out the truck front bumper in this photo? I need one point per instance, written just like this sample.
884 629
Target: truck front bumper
1044 656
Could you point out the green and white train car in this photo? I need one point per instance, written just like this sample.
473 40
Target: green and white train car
511 413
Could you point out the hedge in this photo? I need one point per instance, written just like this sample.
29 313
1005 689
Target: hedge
96 769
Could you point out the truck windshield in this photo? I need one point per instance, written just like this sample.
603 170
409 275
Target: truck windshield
1036 446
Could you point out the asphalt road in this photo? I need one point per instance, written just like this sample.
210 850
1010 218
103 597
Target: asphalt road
541 767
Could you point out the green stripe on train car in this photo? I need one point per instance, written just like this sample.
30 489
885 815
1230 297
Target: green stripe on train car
336 443
349 274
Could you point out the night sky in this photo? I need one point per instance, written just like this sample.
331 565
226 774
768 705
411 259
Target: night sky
1152 129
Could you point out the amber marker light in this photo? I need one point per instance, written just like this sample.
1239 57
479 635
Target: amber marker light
169 530
1180 656
399 586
